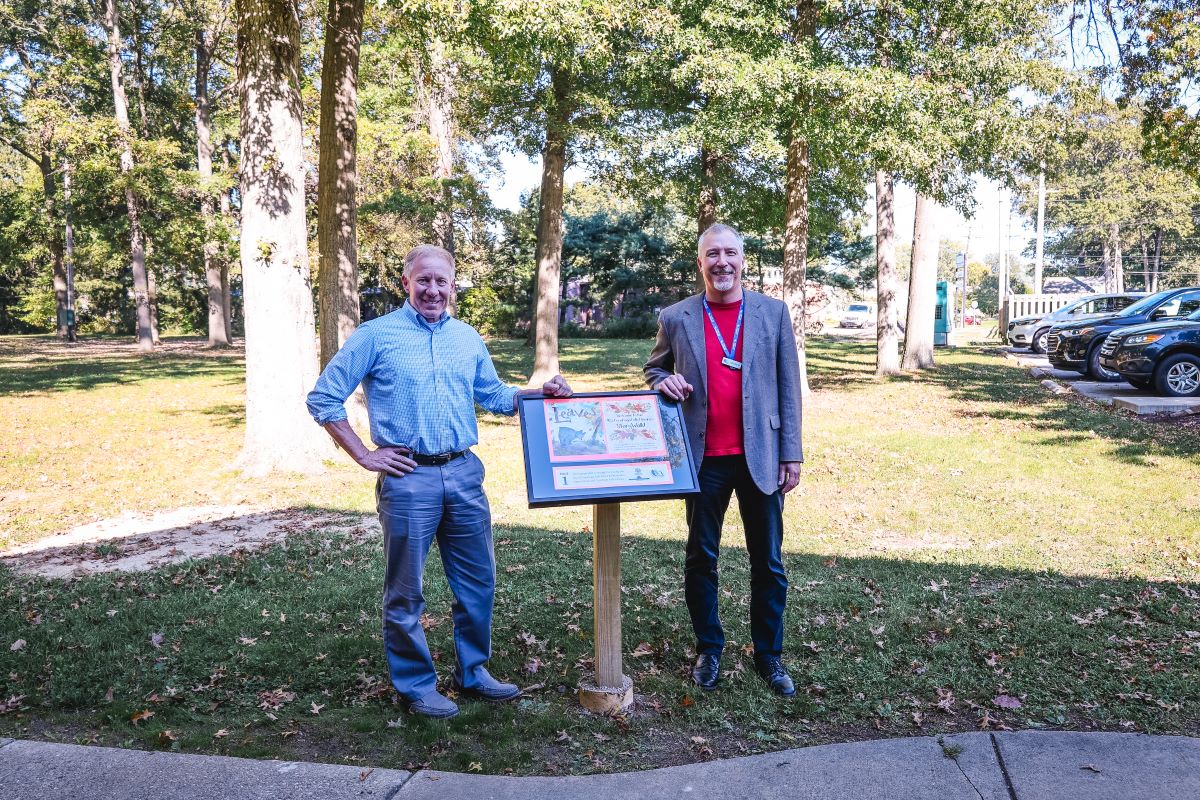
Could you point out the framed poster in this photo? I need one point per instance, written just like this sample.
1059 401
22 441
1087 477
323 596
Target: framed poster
604 446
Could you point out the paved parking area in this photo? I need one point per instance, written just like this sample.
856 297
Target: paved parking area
1119 395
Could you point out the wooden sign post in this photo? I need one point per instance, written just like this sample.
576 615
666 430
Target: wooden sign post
611 690
602 449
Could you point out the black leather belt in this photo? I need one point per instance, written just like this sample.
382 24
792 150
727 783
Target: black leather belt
438 460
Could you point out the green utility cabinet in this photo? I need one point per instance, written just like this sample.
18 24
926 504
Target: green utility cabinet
943 314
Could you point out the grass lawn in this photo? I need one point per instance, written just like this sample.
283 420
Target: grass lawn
965 551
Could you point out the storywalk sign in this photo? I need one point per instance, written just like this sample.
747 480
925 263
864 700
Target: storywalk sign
603 449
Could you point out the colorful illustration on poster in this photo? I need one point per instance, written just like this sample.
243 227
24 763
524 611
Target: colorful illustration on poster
585 429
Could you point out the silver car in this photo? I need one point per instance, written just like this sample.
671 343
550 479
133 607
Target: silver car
1031 331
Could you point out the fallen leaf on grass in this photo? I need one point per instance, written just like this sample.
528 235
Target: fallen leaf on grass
19 644
475 766
643 649
274 700
138 716
249 641
1006 701
316 709
221 734
156 640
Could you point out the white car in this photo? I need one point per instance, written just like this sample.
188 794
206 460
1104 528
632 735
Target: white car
1031 331
857 315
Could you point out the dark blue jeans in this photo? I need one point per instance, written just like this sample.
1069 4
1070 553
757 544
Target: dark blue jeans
445 503
762 515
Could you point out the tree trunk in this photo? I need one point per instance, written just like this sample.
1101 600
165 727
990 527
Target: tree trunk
1118 262
795 243
1145 264
1110 256
706 210
69 246
227 217
887 352
337 178
1158 237
441 130
281 346
922 287
214 273
55 245
550 235
152 294
141 286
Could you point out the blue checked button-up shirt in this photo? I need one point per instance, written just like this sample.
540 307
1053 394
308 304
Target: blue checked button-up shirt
421 381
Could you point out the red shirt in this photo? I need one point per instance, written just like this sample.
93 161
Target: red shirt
723 434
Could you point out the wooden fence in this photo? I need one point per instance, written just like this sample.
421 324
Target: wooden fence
1021 305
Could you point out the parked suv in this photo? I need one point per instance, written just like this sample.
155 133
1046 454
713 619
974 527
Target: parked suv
1031 331
1161 356
1076 345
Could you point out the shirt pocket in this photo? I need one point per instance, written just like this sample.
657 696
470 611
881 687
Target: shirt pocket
775 422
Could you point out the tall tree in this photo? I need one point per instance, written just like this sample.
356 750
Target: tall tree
922 286
887 339
556 78
439 102
216 269
797 179
281 352
337 177
110 19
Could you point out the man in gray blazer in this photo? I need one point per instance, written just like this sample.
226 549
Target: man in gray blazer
729 355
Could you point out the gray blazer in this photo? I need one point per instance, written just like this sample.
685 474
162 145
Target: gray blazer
770 380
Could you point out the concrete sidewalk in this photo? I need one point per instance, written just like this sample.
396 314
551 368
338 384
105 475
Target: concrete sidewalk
976 766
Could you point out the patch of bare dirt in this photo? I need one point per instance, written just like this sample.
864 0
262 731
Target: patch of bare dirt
137 541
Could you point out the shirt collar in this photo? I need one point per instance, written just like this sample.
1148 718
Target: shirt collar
412 314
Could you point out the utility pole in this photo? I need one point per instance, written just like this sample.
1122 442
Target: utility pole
1041 223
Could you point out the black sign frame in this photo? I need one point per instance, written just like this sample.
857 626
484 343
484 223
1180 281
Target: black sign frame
540 468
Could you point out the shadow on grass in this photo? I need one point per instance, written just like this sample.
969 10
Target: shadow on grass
227 415
281 650
33 366
1006 392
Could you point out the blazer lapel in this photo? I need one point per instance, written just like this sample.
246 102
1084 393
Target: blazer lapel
751 329
693 326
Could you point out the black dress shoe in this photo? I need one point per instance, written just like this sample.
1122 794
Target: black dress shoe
775 674
707 670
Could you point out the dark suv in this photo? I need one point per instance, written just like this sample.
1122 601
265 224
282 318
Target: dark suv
1076 345
1163 356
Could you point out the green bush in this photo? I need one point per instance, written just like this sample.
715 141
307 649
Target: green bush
641 327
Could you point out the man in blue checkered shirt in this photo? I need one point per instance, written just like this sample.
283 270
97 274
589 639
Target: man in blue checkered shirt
423 372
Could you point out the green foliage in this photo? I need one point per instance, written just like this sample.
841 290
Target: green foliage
986 293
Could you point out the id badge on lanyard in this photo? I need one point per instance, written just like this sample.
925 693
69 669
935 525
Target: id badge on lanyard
730 352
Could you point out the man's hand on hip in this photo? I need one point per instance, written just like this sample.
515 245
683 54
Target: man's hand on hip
789 475
556 387
675 387
393 461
